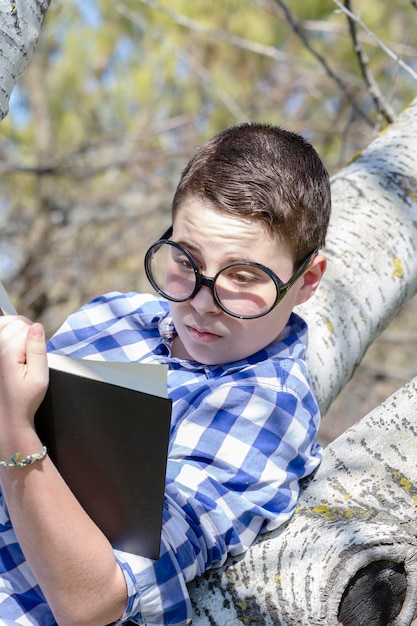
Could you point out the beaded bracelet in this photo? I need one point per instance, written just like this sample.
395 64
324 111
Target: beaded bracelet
30 459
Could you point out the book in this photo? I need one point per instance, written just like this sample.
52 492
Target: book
6 307
106 427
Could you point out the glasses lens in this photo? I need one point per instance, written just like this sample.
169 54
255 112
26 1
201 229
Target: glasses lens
171 271
246 290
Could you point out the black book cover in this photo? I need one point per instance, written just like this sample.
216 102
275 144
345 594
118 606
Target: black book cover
110 445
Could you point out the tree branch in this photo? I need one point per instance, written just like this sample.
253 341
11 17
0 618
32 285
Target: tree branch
381 104
20 25
380 43
320 58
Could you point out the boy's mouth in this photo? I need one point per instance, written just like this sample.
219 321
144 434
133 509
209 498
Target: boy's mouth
201 334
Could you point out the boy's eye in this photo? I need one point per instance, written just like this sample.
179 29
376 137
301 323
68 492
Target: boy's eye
182 261
243 276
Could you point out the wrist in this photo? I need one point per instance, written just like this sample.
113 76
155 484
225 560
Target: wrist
25 441
18 460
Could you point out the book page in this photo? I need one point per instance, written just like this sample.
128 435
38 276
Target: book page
5 305
144 377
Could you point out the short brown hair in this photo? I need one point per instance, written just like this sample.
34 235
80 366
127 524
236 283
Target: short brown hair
264 172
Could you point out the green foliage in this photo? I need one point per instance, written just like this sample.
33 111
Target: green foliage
127 89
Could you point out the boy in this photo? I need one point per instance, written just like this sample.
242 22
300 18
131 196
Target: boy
249 216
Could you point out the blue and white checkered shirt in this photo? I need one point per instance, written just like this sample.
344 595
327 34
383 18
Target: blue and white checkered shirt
243 436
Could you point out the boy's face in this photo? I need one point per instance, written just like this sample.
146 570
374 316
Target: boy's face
214 239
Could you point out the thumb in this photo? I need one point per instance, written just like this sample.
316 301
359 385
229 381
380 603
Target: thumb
36 347
36 338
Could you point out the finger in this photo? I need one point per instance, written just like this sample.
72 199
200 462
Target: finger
36 346
36 337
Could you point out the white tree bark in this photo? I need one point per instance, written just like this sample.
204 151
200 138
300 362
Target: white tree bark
20 25
350 551
371 249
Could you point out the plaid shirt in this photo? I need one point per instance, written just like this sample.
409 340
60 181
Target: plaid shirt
243 436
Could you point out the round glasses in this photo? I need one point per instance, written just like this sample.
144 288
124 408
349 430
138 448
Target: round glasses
242 289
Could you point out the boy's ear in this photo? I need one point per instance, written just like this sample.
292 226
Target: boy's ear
312 278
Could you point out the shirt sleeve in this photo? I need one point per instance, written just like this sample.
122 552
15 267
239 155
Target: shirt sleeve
157 590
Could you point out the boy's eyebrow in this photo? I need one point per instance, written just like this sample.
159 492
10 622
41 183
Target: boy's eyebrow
195 250
187 245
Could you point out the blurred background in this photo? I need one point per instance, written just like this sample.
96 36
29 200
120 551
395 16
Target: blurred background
119 94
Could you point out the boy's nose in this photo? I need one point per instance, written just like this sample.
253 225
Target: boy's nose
204 302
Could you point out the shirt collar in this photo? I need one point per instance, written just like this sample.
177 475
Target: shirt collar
167 331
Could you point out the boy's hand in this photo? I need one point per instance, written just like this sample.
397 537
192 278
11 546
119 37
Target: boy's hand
23 373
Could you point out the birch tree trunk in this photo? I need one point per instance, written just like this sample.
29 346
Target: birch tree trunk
349 555
20 25
371 249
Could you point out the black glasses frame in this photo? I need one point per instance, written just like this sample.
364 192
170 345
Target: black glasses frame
206 281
